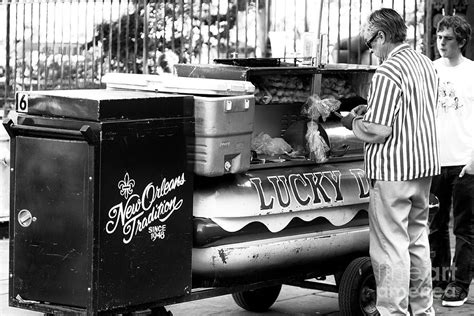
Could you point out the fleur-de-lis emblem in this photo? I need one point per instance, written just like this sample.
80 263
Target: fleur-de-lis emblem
126 186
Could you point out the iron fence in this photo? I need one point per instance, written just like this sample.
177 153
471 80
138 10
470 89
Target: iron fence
70 44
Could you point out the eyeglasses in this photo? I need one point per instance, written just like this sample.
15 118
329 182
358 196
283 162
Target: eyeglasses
369 42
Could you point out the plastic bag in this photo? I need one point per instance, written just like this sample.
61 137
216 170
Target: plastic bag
317 146
265 144
316 108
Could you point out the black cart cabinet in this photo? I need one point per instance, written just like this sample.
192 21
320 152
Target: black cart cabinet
101 199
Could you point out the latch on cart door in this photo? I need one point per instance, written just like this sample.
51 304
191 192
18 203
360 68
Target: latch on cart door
25 218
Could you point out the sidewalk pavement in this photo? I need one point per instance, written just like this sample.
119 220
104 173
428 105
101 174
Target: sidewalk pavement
291 301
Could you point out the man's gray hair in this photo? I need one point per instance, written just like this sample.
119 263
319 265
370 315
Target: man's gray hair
389 22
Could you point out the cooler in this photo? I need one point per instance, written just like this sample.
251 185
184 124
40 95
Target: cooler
224 118
101 199
223 130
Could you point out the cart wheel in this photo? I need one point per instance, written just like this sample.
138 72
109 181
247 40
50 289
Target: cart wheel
357 291
258 300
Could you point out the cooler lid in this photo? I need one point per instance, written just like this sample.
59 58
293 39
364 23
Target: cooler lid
101 104
174 84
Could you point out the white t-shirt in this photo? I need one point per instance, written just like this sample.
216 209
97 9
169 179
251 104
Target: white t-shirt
455 112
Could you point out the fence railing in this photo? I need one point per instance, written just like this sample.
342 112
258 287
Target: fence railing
71 44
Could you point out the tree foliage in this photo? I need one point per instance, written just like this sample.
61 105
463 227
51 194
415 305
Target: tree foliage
166 30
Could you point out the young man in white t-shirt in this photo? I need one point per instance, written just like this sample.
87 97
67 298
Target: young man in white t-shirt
455 126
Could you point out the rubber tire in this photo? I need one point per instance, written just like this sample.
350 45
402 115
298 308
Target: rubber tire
259 300
357 280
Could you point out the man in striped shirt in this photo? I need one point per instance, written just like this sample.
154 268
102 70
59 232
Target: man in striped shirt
401 156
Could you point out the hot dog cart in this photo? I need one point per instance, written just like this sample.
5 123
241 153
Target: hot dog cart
154 191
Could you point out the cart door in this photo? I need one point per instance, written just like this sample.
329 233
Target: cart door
49 219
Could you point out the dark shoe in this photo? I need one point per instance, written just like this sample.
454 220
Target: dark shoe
454 295
438 288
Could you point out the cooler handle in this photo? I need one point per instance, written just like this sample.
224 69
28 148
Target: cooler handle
84 133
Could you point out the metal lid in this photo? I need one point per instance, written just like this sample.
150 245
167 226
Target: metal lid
101 104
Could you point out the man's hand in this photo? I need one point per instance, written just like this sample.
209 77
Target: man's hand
359 110
469 169
347 121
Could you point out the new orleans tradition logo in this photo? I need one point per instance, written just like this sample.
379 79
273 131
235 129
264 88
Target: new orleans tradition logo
155 204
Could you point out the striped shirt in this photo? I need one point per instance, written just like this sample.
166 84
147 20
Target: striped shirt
403 95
